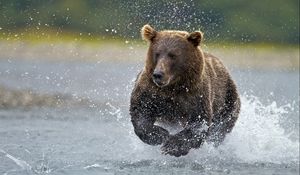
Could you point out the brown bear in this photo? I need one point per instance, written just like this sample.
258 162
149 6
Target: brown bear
181 85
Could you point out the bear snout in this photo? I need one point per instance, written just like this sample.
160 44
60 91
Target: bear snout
158 77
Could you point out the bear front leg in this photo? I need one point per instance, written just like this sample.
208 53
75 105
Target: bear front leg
193 135
181 143
149 133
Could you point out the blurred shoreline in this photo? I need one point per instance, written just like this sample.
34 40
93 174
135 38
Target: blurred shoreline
270 57
13 98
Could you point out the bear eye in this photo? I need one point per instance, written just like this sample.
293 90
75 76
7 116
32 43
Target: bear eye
157 55
172 56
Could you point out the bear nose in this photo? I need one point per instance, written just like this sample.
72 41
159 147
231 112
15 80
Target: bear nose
158 75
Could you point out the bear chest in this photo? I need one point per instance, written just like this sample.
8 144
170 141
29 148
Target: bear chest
172 111
167 106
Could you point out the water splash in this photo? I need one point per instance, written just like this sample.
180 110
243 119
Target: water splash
180 15
257 137
21 163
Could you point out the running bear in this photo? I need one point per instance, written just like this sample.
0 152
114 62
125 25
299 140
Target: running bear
181 86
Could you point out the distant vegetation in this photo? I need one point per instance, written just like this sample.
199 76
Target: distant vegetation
264 21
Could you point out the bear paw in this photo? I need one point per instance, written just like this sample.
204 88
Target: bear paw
176 146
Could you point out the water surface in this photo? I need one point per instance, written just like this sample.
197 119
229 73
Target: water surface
89 130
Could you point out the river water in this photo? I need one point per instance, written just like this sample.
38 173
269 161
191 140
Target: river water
71 117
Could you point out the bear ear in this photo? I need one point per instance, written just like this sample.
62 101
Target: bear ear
195 38
148 33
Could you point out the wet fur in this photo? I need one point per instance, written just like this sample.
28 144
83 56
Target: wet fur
203 94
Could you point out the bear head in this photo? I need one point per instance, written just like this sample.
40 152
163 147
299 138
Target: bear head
174 57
